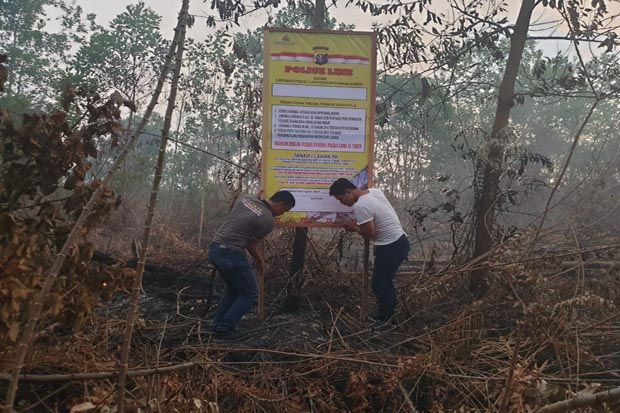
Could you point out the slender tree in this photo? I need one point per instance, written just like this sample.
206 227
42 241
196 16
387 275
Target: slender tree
491 165
137 284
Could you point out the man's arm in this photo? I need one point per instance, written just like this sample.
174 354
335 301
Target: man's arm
254 250
366 230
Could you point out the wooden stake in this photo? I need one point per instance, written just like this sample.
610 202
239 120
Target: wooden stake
260 275
299 250
301 233
365 271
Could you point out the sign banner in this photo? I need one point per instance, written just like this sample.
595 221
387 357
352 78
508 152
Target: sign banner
319 100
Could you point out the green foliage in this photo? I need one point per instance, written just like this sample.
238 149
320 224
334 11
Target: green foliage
36 55
126 56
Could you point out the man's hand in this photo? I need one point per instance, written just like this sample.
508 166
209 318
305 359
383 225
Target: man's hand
350 226
366 230
254 250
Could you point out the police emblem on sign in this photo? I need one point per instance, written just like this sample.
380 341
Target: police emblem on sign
320 55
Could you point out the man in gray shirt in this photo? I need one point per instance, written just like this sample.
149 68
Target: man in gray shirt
250 220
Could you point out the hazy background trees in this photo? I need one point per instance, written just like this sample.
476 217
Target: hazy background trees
438 84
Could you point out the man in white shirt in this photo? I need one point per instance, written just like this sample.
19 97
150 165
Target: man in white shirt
376 220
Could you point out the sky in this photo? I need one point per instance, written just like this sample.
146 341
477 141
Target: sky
168 9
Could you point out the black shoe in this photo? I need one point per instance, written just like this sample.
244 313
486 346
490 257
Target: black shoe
228 335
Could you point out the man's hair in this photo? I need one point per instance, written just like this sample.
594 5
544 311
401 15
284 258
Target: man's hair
340 186
284 197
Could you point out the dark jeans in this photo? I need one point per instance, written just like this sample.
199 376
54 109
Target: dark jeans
241 287
387 260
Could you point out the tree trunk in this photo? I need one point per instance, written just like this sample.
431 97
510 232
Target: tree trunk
137 285
318 19
491 167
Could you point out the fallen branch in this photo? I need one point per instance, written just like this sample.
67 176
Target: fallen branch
583 400
101 375
307 355
106 259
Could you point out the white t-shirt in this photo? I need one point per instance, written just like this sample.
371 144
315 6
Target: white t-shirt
375 206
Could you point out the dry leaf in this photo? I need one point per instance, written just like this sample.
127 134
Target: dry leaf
82 407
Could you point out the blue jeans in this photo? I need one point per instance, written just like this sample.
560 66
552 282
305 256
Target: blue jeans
387 260
241 287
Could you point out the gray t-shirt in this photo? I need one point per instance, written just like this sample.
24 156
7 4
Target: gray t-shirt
249 218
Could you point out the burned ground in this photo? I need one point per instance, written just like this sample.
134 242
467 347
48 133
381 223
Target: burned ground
547 329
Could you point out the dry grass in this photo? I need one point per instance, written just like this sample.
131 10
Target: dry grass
553 333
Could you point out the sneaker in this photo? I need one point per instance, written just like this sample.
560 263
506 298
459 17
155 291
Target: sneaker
380 325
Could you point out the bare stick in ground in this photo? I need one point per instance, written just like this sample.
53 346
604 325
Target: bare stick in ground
137 285
34 311
515 356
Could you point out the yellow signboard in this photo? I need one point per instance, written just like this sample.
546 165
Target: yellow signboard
318 100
